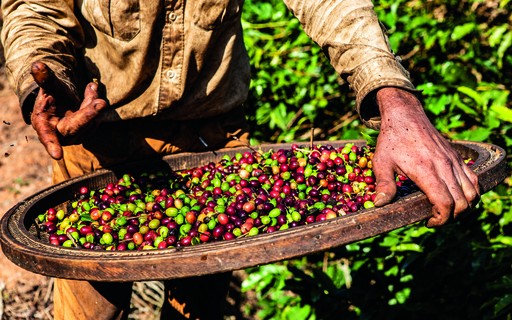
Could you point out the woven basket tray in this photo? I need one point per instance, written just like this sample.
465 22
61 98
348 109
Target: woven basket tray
21 243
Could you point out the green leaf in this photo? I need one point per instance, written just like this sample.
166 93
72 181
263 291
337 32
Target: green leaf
86 217
370 137
336 274
408 247
393 271
264 277
478 134
390 241
504 239
461 31
350 134
464 107
504 3
403 295
428 88
505 302
473 94
495 206
506 218
297 312
455 122
506 42
497 34
436 106
502 112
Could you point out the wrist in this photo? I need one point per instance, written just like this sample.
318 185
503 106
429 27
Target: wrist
390 99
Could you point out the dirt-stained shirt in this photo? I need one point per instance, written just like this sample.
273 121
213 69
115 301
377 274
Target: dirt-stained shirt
181 59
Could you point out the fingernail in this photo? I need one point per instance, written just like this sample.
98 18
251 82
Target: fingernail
380 199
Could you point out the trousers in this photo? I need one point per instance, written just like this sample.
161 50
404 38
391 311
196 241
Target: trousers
111 144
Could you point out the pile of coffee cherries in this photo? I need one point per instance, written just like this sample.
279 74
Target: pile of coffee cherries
244 195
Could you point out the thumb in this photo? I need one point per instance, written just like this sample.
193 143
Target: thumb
43 76
385 190
48 81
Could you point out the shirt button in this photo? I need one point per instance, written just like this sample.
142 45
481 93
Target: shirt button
172 16
171 74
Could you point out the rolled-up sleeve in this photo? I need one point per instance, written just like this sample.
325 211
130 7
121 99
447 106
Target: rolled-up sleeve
39 30
351 36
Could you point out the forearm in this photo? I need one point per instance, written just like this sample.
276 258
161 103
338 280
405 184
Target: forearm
45 31
350 34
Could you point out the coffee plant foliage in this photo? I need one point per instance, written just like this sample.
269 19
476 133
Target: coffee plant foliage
459 53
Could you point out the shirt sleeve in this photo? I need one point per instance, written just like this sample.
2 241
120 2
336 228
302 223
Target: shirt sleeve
36 30
351 36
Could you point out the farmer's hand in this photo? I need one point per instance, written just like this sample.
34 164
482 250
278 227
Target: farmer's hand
409 144
56 117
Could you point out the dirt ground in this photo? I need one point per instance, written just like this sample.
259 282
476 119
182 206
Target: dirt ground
24 170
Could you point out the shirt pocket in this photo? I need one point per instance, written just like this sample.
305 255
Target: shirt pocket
210 14
117 19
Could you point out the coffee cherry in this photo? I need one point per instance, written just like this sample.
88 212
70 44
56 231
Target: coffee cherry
244 195
223 219
107 238
84 230
138 238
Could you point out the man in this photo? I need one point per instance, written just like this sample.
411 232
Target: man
174 74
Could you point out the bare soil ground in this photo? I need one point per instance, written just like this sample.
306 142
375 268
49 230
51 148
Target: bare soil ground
24 170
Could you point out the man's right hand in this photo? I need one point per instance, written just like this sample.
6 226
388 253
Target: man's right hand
55 117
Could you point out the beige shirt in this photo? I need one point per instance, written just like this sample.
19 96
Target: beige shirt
181 59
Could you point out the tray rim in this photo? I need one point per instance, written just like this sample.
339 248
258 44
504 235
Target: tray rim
81 264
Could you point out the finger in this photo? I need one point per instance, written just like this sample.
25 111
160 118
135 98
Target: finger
463 191
44 104
44 77
471 186
439 195
91 99
438 218
460 203
442 205
51 84
385 189
49 139
460 181
41 73
72 124
90 93
45 125
77 121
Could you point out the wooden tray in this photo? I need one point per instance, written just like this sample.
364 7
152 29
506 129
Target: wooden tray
21 244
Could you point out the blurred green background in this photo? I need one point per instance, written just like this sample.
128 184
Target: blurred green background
459 55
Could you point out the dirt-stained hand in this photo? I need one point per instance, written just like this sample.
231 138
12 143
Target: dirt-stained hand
55 116
409 144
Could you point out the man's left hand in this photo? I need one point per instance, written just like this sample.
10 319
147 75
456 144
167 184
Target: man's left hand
408 144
